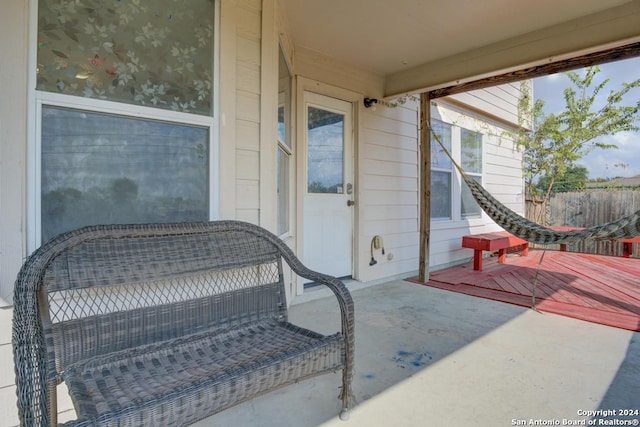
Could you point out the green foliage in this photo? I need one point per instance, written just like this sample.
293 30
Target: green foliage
554 142
574 179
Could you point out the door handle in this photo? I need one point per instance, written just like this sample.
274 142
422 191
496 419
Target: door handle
351 202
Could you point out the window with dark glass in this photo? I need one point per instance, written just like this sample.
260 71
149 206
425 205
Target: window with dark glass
441 171
471 162
284 149
107 169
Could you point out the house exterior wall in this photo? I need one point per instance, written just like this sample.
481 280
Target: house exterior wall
502 169
388 172
13 142
248 42
241 55
386 151
13 145
388 202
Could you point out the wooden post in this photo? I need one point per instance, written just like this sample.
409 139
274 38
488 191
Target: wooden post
424 213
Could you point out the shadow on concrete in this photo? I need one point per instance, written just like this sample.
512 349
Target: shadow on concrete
425 356
401 329
623 394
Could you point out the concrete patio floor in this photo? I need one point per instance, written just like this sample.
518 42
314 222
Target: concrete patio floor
428 357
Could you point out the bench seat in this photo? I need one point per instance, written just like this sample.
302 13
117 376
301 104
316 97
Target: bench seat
497 241
159 380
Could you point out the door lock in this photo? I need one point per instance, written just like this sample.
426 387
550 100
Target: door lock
351 202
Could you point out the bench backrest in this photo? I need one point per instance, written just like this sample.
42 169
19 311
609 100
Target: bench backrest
109 288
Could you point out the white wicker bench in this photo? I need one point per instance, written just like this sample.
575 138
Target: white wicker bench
164 324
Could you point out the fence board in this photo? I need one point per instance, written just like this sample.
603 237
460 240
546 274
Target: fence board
587 209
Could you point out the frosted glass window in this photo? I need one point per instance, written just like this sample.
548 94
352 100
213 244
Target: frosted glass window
155 53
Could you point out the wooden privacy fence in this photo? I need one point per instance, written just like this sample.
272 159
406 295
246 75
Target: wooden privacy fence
586 209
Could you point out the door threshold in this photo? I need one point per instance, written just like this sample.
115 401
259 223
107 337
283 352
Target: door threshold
310 285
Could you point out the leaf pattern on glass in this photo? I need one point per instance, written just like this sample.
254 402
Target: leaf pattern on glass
158 54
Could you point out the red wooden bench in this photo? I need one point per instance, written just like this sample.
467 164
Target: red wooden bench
498 241
627 244
502 240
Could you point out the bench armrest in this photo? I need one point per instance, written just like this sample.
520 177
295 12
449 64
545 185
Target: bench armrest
345 302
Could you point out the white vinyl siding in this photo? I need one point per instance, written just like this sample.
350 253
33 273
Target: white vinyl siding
247 111
500 102
388 196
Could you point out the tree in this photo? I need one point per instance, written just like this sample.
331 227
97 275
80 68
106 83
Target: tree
554 142
575 178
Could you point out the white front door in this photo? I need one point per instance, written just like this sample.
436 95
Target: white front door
328 190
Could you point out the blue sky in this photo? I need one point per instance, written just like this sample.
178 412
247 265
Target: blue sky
625 161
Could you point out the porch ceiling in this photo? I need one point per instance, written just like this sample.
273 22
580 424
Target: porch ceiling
417 45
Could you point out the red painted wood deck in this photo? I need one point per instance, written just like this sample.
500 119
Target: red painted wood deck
595 288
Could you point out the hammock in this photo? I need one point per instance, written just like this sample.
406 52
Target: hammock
521 227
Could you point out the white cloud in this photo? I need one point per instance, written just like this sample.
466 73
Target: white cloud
609 163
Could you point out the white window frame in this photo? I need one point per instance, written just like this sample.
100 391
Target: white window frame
452 178
457 219
470 173
286 100
286 148
39 99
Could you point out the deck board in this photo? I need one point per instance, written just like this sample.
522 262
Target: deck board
595 288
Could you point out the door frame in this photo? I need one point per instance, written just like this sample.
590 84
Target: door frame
308 85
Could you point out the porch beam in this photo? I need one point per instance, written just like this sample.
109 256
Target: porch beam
600 31
425 186
614 54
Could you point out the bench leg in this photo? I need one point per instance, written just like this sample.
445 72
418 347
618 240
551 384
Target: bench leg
477 259
346 394
344 414
627 249
502 256
524 250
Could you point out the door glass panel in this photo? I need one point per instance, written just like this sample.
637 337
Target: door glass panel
325 138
